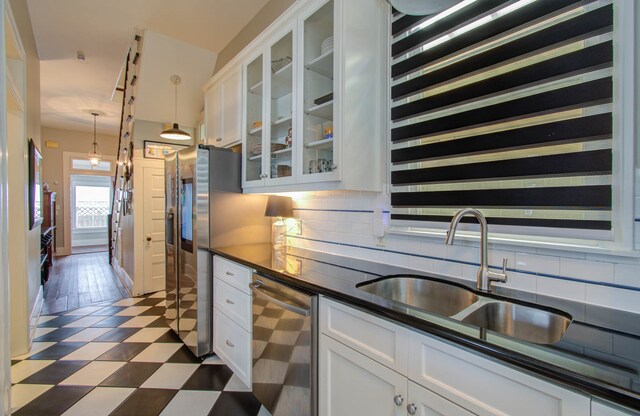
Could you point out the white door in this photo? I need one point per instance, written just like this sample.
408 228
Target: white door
352 384
153 224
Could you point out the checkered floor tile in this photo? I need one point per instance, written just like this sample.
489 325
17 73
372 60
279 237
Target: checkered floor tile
122 359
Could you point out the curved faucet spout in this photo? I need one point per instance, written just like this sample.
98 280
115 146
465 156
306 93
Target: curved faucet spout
485 276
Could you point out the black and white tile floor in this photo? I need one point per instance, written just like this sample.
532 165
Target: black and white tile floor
121 359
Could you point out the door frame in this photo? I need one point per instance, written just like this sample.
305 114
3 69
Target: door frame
66 205
5 347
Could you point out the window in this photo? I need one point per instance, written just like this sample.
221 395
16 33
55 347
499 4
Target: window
91 206
85 164
505 106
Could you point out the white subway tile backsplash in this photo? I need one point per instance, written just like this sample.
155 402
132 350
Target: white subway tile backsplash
627 274
628 300
420 264
469 273
538 264
447 268
460 253
327 216
586 270
496 257
565 289
433 250
520 281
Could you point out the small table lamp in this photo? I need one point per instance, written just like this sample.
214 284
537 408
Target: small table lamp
279 207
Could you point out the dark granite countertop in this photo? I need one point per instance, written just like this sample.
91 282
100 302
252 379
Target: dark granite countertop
598 355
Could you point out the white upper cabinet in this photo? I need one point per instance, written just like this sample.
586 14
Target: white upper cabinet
315 99
269 91
222 108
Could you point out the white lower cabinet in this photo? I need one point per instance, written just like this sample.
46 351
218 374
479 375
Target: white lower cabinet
232 316
441 379
352 384
233 345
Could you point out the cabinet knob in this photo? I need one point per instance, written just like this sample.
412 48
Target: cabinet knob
412 409
229 343
334 167
219 139
228 273
398 399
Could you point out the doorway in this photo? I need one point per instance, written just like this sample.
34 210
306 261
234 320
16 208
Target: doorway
90 198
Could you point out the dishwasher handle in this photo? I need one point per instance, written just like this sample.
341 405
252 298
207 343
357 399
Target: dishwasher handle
255 288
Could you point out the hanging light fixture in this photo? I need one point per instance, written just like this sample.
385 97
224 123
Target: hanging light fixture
175 133
95 155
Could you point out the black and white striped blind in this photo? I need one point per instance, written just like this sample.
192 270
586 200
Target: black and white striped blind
505 106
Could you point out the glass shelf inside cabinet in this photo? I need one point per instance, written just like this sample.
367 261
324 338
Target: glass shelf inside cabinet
318 92
281 129
254 127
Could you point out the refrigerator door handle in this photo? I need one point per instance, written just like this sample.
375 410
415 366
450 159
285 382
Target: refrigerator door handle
255 288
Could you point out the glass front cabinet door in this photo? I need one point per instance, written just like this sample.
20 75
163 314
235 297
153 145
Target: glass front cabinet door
318 150
279 153
252 128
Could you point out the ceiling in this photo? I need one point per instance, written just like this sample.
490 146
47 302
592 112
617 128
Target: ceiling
103 31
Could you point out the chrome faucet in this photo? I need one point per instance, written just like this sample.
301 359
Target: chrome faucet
485 276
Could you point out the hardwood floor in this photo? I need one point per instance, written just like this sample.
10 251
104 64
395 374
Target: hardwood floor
81 280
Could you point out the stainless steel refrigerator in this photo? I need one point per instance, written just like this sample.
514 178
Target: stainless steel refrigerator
205 208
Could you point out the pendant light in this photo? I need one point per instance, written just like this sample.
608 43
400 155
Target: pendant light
95 155
175 133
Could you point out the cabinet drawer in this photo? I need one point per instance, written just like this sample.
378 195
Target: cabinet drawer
233 345
374 337
486 387
232 273
234 303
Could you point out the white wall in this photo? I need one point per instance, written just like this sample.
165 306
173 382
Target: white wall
341 223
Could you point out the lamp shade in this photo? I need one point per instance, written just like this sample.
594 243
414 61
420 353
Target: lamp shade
175 133
279 206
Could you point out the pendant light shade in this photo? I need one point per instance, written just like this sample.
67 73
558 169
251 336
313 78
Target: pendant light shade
175 133
94 155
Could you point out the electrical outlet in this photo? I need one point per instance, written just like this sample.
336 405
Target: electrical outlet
382 242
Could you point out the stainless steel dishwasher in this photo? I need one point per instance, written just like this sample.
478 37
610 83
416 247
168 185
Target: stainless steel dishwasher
284 348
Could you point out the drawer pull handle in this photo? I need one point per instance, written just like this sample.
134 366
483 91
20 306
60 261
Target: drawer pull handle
229 343
412 409
229 274
230 302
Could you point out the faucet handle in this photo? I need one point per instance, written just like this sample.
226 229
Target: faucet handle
504 266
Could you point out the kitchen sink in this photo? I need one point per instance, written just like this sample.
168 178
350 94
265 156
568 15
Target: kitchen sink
418 292
531 324
525 322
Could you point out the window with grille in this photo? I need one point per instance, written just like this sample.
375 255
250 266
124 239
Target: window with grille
505 106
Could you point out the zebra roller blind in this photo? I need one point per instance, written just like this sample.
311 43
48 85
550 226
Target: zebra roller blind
505 106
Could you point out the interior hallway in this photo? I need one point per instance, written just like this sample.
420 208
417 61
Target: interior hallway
81 280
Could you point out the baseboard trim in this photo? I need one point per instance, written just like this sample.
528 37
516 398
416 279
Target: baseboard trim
35 315
122 275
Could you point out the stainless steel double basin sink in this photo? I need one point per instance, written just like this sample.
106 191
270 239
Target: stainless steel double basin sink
525 322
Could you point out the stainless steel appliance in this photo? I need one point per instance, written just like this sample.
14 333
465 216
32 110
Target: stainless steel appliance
204 209
284 348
